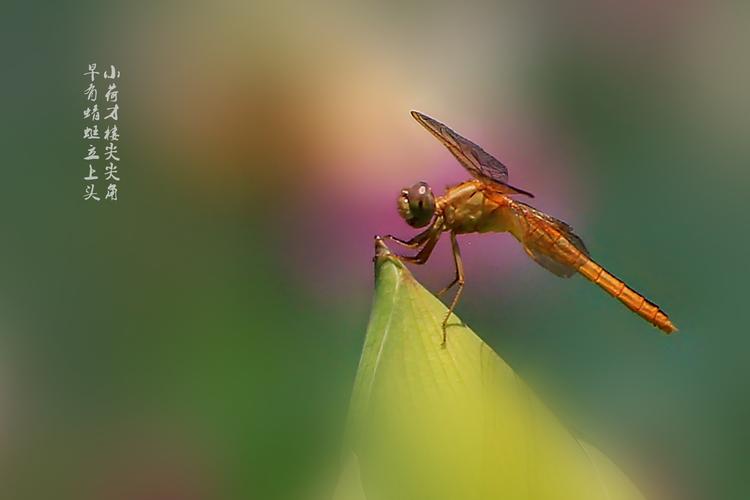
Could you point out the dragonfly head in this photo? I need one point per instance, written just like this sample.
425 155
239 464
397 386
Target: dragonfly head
416 204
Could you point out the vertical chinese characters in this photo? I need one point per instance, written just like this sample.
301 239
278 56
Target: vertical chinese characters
101 145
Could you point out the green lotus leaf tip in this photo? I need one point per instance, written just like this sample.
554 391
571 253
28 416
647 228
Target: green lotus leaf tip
428 422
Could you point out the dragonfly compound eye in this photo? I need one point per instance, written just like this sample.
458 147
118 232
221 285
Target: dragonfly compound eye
417 204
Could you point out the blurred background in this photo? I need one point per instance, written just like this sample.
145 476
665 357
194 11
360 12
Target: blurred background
198 338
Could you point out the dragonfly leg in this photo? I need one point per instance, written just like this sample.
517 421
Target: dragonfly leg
426 251
458 264
415 242
459 280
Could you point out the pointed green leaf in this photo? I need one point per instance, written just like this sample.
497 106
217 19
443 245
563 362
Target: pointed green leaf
428 422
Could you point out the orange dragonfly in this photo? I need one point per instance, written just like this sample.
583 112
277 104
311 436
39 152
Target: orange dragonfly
484 205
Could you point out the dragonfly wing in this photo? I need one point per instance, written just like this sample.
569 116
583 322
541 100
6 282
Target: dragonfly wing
550 264
476 160
565 228
540 241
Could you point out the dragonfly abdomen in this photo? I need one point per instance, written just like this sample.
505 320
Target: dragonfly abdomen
553 245
629 297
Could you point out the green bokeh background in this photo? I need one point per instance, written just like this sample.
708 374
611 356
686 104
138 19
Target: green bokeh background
199 338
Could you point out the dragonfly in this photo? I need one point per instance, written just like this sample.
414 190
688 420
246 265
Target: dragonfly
484 204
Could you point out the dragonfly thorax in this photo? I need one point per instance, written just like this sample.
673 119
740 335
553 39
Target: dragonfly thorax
416 204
